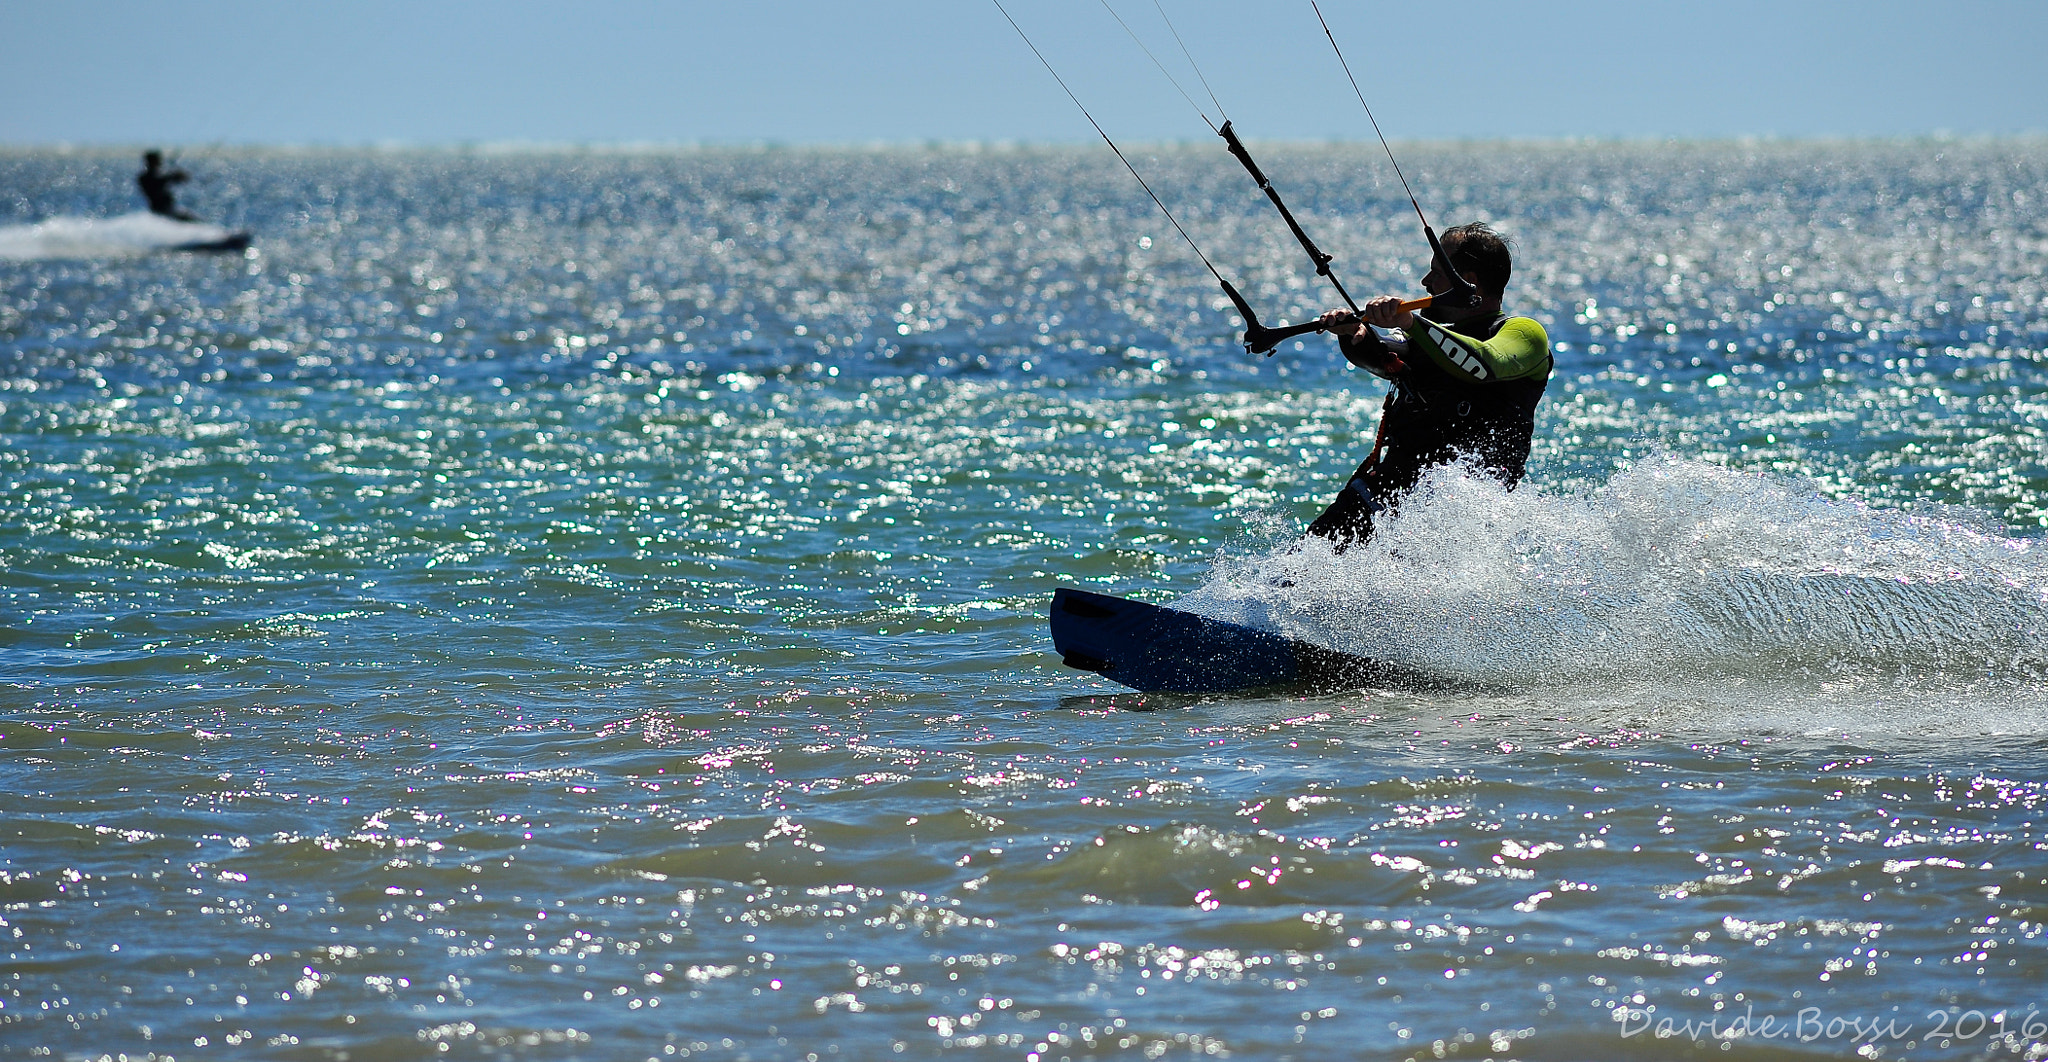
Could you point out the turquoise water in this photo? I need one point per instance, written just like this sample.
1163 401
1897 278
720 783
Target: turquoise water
592 605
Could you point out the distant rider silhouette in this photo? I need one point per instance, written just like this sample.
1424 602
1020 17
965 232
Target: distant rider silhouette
156 182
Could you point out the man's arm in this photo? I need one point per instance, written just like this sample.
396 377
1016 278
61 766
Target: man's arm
1363 346
1375 353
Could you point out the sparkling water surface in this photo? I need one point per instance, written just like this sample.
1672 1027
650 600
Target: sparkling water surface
592 605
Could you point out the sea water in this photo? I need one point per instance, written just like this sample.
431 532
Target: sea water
592 605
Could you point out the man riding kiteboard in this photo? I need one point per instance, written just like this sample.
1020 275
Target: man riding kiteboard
156 183
1466 384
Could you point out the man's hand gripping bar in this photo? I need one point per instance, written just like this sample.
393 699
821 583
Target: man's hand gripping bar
1258 339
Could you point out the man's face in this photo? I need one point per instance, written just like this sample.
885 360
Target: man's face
1436 283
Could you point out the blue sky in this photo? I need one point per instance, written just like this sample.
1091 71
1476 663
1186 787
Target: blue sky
861 71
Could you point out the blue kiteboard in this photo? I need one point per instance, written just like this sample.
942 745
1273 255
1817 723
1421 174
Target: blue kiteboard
1164 650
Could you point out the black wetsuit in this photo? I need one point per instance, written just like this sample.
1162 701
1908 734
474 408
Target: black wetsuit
1460 393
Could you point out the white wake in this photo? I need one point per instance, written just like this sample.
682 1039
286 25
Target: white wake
1674 573
81 237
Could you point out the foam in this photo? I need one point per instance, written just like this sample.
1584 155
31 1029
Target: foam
82 237
1674 572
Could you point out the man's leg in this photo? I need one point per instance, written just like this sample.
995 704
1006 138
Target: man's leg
1348 520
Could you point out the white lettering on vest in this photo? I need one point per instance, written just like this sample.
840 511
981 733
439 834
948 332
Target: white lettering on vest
1456 351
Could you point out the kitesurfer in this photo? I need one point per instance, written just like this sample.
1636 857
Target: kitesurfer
156 182
1466 384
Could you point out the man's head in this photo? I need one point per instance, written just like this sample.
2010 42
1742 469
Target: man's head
1480 253
152 159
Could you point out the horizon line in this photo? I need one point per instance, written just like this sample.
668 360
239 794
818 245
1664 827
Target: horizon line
512 146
